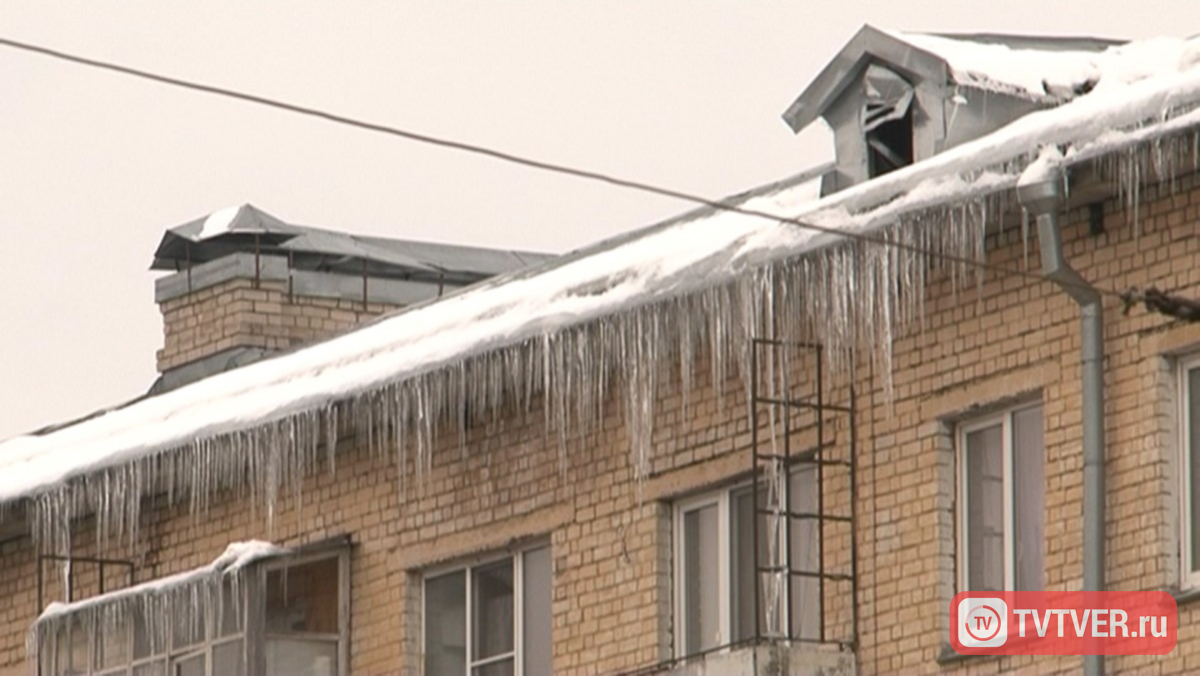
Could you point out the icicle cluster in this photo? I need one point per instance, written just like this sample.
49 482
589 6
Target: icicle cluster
194 603
850 294
1161 160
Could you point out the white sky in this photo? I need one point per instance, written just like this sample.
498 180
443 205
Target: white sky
94 166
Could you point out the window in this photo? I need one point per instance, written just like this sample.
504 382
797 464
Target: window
715 571
1001 502
302 627
490 618
286 617
1189 427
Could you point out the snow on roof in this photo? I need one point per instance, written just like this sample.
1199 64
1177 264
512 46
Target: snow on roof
999 67
696 253
1056 73
219 222
1047 167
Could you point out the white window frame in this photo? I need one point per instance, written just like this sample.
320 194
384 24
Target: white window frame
517 556
722 499
1188 577
1003 418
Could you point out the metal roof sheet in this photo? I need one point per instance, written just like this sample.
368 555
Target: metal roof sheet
247 228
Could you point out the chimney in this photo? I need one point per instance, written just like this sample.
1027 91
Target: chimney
245 285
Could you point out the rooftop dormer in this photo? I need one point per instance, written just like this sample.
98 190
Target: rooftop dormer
894 98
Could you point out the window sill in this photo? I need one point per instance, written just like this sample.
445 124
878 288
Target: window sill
950 657
1184 595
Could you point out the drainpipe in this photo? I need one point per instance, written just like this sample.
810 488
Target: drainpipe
1043 197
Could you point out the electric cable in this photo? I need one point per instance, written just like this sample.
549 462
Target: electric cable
530 162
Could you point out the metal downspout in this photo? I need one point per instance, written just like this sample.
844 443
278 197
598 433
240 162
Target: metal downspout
1044 199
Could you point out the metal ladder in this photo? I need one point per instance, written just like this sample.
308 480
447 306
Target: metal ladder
773 461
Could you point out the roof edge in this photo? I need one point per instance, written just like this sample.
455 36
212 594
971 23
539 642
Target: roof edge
1052 43
868 44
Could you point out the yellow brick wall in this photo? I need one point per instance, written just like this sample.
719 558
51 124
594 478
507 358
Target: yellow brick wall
1016 338
611 538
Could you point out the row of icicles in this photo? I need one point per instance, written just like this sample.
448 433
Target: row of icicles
845 296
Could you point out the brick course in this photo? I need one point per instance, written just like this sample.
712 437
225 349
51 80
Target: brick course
243 313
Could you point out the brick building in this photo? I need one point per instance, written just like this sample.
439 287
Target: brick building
722 444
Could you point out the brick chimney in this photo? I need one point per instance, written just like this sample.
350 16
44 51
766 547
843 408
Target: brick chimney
246 285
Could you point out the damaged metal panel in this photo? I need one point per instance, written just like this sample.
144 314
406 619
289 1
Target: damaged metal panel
887 97
852 123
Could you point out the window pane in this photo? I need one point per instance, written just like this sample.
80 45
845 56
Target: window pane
112 645
304 598
60 661
1029 493
301 657
806 555
492 606
742 585
189 666
229 659
446 625
700 570
151 669
537 581
1193 426
187 625
501 668
147 639
984 458
72 645
231 609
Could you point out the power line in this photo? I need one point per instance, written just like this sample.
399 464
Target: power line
1174 306
511 158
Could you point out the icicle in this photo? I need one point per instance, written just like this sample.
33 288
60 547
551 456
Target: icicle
687 356
980 256
639 347
1025 237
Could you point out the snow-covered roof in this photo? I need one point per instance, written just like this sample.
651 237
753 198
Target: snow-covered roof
1032 68
563 326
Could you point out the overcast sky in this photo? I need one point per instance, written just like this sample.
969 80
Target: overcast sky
94 166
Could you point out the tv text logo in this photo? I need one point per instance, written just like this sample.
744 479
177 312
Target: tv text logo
1063 623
